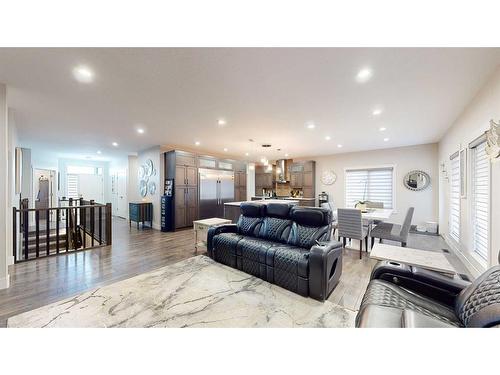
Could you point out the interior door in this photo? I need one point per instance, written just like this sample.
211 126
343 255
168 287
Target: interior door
121 199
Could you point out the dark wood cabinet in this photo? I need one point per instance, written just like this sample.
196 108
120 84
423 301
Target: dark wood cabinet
186 206
240 186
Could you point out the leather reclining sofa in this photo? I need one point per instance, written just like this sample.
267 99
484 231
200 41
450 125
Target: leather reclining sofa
284 245
402 296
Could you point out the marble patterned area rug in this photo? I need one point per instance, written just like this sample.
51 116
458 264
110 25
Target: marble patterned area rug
196 292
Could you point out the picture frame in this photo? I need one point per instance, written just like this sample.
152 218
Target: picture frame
463 173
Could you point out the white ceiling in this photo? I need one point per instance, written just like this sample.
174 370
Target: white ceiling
267 94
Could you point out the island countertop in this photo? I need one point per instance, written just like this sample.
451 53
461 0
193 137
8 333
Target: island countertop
267 201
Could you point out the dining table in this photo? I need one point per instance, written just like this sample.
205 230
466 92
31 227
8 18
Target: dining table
369 216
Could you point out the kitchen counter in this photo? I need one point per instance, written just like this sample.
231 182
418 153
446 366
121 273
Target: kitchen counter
284 198
266 201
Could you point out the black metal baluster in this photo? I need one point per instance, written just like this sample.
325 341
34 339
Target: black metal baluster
92 223
100 225
57 230
14 234
84 226
25 230
67 229
37 232
47 229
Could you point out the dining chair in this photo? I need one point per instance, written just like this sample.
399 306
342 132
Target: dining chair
331 207
393 232
375 205
350 225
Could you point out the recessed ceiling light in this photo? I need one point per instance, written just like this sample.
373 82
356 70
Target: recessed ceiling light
247 154
140 130
221 122
83 74
225 149
328 138
115 144
382 129
364 75
263 160
286 155
310 125
386 139
377 112
197 143
99 152
340 146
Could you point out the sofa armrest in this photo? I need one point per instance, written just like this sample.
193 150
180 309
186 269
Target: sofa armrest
325 268
213 231
430 284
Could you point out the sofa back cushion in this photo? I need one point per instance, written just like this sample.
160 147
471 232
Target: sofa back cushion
250 219
276 224
309 225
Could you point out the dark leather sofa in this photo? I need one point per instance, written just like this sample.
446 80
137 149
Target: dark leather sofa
401 296
285 245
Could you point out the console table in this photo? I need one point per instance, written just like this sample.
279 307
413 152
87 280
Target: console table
140 212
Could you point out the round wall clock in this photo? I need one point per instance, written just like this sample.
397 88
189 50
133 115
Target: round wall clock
328 177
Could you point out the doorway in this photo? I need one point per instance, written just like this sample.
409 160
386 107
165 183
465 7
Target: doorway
44 187
119 194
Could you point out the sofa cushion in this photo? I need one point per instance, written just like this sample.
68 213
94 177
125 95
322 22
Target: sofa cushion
311 216
254 248
309 225
383 293
289 259
250 219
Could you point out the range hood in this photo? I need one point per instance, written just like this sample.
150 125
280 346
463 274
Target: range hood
282 172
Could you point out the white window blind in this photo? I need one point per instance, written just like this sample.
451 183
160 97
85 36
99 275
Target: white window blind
72 186
374 185
480 175
454 220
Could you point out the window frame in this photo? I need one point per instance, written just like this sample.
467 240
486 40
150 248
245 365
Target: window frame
381 166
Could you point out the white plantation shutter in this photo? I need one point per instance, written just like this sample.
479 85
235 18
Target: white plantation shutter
454 221
480 199
72 185
374 184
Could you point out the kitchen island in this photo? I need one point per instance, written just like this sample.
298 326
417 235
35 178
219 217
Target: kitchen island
232 209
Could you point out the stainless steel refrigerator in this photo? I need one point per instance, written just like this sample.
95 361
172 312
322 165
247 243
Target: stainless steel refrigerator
216 188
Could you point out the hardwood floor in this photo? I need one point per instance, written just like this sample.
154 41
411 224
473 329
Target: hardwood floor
46 280
40 282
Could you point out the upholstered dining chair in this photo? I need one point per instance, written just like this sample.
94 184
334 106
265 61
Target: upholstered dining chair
375 205
393 232
333 209
350 225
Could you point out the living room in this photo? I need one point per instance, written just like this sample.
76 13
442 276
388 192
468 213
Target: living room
251 185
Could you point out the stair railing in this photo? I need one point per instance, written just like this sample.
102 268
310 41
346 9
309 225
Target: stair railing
79 226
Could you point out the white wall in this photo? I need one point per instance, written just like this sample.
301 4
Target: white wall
13 196
404 159
473 122
133 194
4 187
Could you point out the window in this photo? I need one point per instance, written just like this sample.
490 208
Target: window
371 184
480 185
81 169
454 220
72 182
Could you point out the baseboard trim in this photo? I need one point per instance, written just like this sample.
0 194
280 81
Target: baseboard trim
5 282
465 260
10 260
